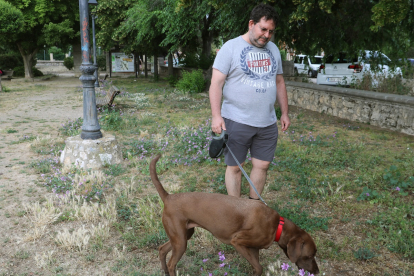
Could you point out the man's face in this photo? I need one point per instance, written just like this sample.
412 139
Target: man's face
261 32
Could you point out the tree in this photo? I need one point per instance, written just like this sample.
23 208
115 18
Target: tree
37 23
346 25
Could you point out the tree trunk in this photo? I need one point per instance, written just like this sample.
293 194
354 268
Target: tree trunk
207 40
27 61
170 64
155 67
146 66
207 35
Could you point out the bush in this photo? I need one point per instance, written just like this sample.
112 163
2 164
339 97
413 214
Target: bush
192 82
205 62
68 62
11 60
57 53
283 54
101 61
19 72
172 80
197 61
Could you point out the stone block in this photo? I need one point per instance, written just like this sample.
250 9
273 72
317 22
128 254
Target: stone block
91 154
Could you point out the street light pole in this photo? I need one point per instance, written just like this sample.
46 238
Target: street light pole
90 128
94 49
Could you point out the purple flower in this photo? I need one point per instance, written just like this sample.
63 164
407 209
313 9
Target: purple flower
367 194
397 189
205 260
223 264
302 272
285 266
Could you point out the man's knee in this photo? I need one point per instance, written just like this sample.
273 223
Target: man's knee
233 169
260 164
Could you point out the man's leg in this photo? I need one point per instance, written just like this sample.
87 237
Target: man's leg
233 180
258 176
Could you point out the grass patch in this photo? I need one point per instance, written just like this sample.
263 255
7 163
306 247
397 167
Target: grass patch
350 185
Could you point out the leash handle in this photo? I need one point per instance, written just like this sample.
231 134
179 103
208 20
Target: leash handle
222 135
245 175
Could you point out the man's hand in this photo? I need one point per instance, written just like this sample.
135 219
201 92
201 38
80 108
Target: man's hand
285 122
217 124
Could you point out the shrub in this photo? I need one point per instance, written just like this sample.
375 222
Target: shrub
392 83
57 53
283 54
190 60
172 80
101 61
205 62
11 60
68 62
19 72
192 82
198 61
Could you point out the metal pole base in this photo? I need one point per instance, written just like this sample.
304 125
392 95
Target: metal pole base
91 135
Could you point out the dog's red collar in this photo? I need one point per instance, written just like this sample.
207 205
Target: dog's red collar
279 229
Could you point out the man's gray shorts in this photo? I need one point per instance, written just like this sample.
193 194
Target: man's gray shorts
261 142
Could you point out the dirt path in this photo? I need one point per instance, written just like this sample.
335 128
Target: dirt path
28 109
38 109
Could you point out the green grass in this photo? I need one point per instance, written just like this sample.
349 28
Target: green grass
334 178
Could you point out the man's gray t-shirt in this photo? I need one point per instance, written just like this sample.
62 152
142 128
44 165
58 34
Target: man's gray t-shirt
249 93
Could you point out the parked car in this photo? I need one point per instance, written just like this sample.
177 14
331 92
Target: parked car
309 65
344 69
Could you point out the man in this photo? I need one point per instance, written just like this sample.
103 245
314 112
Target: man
248 72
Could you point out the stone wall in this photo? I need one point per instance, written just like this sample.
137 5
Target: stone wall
49 63
394 112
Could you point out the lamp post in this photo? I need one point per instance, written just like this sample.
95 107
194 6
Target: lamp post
94 3
90 128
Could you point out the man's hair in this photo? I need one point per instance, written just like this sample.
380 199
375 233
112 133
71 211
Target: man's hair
264 10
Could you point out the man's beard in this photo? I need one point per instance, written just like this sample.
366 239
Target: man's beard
258 43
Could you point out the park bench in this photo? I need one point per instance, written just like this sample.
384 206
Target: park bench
109 97
8 74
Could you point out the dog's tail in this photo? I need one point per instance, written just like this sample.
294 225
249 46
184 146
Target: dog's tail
153 171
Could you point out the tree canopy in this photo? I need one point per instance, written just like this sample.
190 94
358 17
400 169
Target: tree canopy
156 27
28 25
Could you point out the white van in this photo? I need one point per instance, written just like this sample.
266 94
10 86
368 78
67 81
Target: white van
309 65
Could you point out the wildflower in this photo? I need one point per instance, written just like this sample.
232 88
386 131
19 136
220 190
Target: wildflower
397 189
367 194
285 266
223 264
205 260
302 272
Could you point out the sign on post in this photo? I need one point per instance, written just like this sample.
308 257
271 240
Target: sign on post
122 62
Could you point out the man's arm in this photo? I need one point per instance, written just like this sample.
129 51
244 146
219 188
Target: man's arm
282 99
215 93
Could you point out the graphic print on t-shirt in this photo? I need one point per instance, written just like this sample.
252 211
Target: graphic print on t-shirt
258 65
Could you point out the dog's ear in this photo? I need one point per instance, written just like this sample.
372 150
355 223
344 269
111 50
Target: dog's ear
294 249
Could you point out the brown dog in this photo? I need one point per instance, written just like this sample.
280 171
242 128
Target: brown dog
248 225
